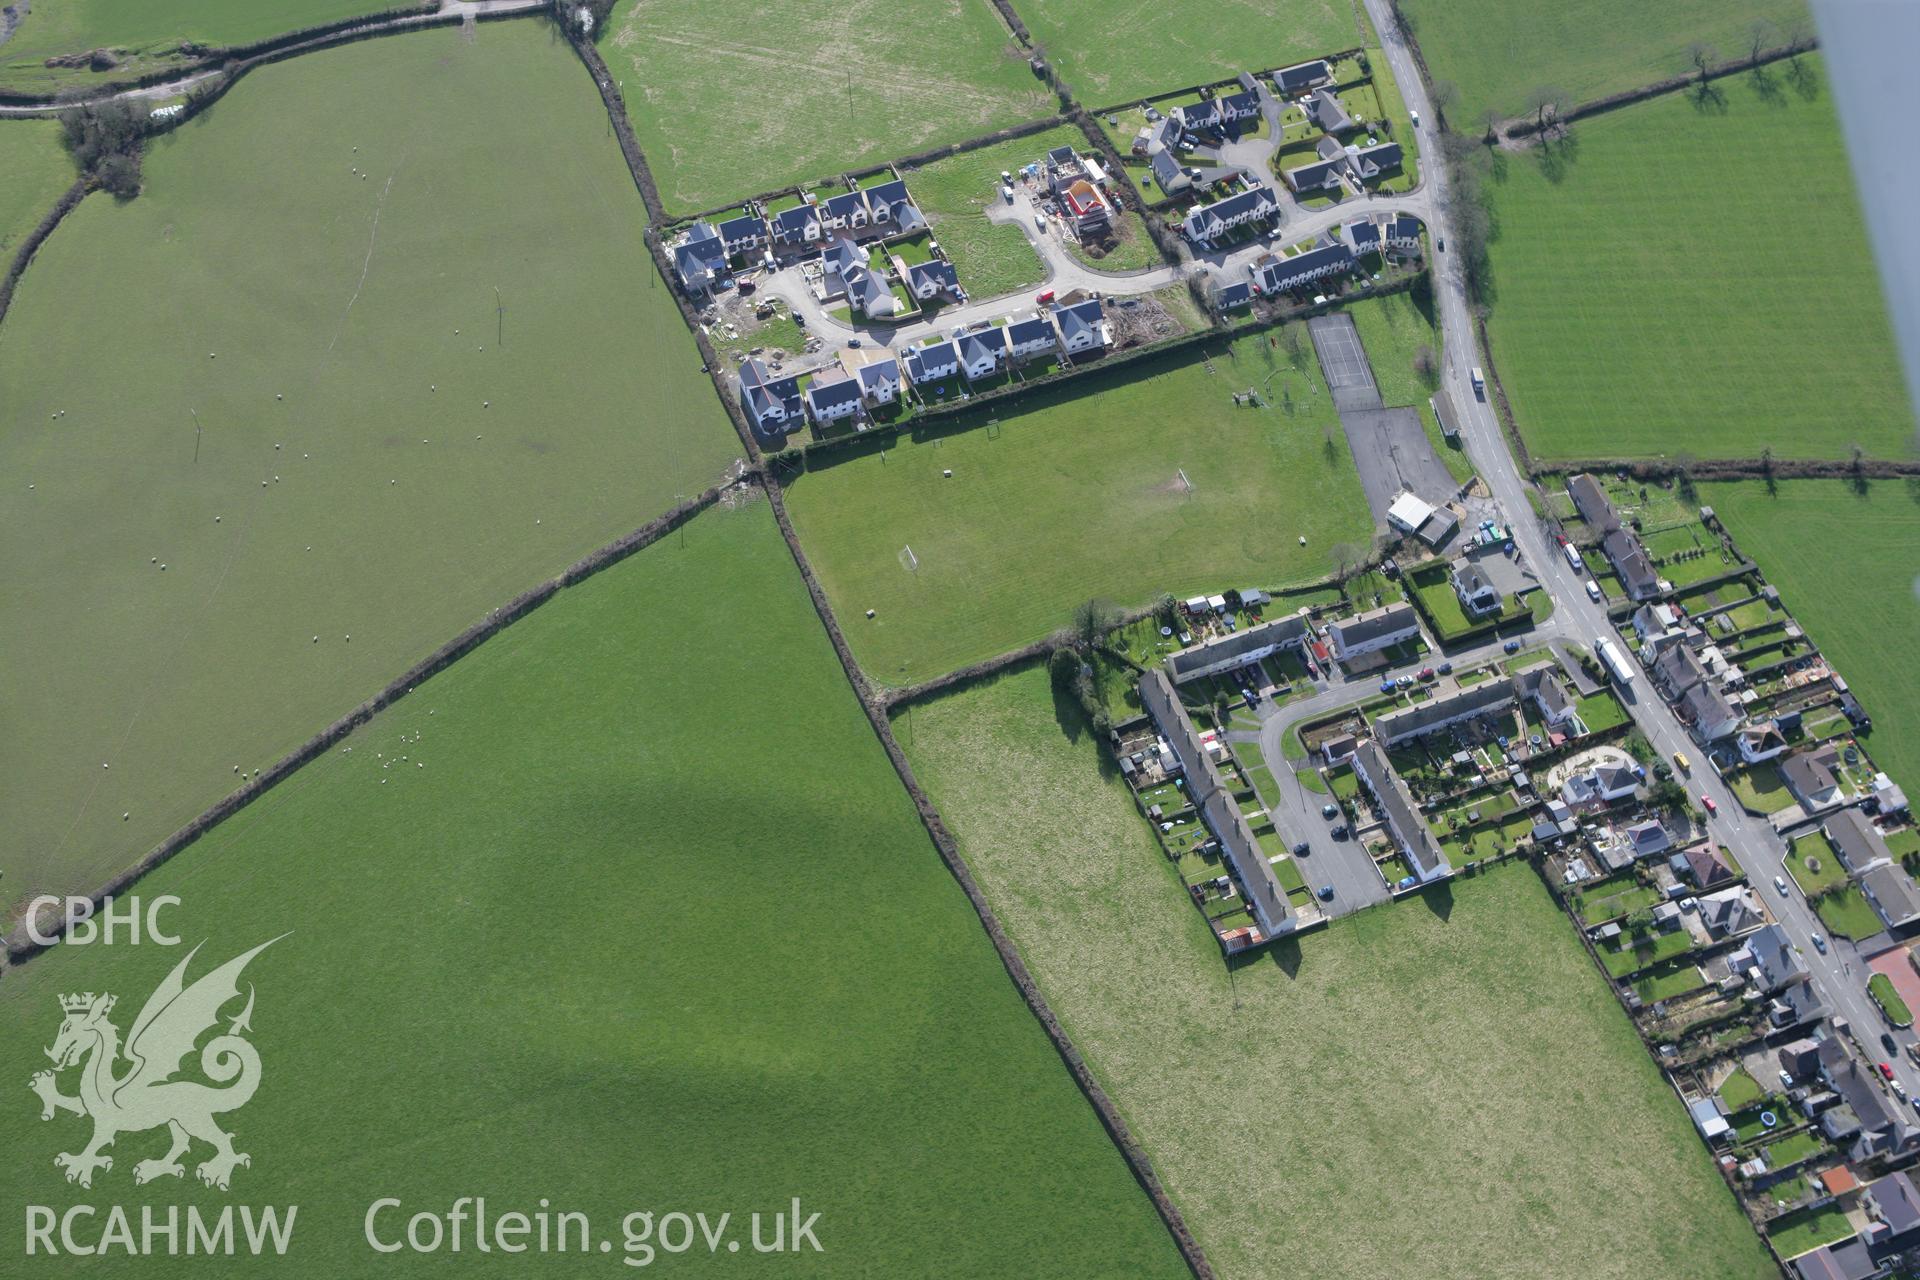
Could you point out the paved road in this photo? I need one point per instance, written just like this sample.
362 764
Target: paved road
173 88
1755 844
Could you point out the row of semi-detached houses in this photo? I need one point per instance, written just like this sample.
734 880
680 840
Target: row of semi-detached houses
864 380
887 208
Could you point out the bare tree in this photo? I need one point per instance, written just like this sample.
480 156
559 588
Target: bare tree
1425 366
1490 125
1092 621
1442 94
1346 558
1702 56
1759 32
1544 102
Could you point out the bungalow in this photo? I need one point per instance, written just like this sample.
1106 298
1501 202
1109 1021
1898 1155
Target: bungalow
933 361
1327 173
893 209
773 403
1760 743
1228 296
1370 632
1327 113
1400 814
1891 891
1811 780
1031 337
832 395
1218 810
743 235
1856 841
934 279
1294 80
1591 501
1369 163
1629 560
847 211
1548 694
879 378
1273 274
983 352
700 259
1444 711
1403 233
1235 649
1082 326
1206 223
1600 785
1706 867
1708 713
1646 838
1731 912
1156 137
1478 596
797 226
1235 107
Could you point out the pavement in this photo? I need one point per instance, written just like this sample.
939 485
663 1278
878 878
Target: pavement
1840 973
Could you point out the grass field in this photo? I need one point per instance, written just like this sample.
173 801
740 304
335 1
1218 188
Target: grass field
366 503
823 89
1496 52
1845 566
1620 332
37 170
145 35
1108 51
1077 494
609 946
1314 1109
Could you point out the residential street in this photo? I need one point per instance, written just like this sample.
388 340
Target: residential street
1758 848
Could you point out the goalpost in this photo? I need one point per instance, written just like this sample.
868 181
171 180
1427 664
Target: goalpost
1186 485
909 561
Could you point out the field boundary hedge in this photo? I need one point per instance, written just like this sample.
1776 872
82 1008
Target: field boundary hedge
68 201
1523 128
1736 468
943 841
211 57
20 947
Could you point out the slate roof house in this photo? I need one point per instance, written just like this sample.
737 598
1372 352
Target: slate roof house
879 379
1209 221
1730 912
1369 632
1677 670
1031 337
1811 780
1235 107
1297 79
700 260
893 209
1707 712
1365 235
1400 814
1325 111
933 361
1235 649
1198 118
847 211
1591 501
1156 137
1273 274
1082 326
1548 694
928 280
1890 891
1478 596
1237 293
773 403
1857 841
1369 163
1629 559
983 352
1168 172
1328 173
1878 1127
797 226
1443 712
745 234
832 395
1771 959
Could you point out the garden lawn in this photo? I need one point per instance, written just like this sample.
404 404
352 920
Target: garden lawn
1845 565
1880 987
1847 912
1108 51
1498 51
37 169
1077 494
1620 333
1458 1039
818 89
1805 1230
146 36
511 966
142 424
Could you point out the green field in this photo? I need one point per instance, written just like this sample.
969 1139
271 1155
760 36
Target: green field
1496 52
729 101
1077 494
164 331
562 926
37 170
1108 51
1845 566
1313 1109
1623 331
145 36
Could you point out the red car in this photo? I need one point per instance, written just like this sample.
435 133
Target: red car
1426 673
1044 296
1886 1071
1707 800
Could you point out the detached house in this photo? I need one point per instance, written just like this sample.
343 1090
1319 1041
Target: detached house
797 226
879 379
893 210
1235 107
773 403
847 211
1296 80
1478 596
1325 111
743 235
1760 743
1369 163
933 362
1201 117
700 260
831 396
935 279
1167 171
1328 173
1811 780
1031 337
1548 694
1082 326
983 352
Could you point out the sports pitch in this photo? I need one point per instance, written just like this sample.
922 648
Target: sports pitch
573 925
1121 486
288 384
1110 51
1441 1087
1621 331
1496 52
144 34
1845 564
730 99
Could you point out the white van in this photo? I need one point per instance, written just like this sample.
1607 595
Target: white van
1479 384
1594 593
1573 556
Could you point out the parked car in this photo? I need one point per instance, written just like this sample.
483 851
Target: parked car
1427 673
1915 1100
1329 810
1445 668
1786 1081
1820 945
1886 1069
1707 801
1405 682
1387 686
1326 893
1340 831
1889 1043
1512 646
1302 849
853 342
1594 593
1780 883
1044 296
1899 1090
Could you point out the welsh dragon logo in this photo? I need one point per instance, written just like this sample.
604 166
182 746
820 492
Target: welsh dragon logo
147 1093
